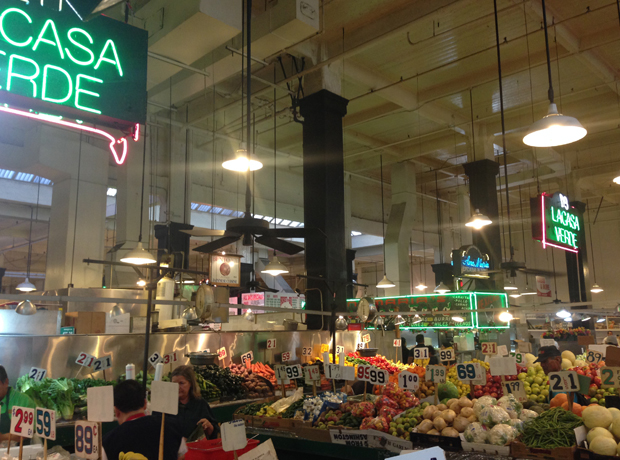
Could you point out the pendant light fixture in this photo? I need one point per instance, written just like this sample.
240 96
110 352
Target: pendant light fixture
242 161
139 255
422 285
26 308
275 267
385 283
505 316
554 128
595 287
441 288
26 285
117 310
509 285
478 220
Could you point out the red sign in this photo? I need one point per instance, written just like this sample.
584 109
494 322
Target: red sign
543 289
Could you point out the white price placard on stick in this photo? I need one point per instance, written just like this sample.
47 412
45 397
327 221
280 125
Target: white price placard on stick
408 381
37 373
287 356
102 363
488 348
165 397
312 374
294 372
594 356
333 372
22 421
84 359
101 404
233 435
436 374
420 353
471 373
45 421
87 440
271 344
610 377
446 355
516 388
306 351
502 366
249 356
155 359
564 381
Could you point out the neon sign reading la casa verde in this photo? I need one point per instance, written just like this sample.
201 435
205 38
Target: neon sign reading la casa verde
55 67
555 222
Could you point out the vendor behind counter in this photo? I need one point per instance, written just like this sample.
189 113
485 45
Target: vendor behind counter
9 397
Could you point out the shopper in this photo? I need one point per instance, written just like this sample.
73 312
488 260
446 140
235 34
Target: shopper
193 410
550 359
137 436
9 397
432 355
611 339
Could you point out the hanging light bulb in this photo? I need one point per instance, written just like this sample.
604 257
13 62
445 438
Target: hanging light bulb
510 286
139 256
141 282
505 316
26 286
421 286
515 295
275 267
441 288
341 324
596 288
249 315
189 314
240 161
563 314
478 220
385 283
116 311
554 129
399 320
617 180
26 308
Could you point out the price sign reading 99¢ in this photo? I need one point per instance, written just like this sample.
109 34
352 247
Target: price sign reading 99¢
610 377
46 423
564 381
373 375
436 374
408 381
446 355
294 372
470 373
86 440
22 421
489 348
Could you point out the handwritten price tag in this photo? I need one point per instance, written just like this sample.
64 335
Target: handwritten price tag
221 353
524 347
518 357
610 377
446 355
470 373
436 374
397 343
102 364
312 374
84 359
594 357
155 359
420 353
360 345
408 381
294 372
515 388
37 374
249 356
281 375
306 351
287 356
333 372
366 338
46 423
22 421
171 358
86 440
547 342
503 366
339 349
564 381
271 344
489 348
373 375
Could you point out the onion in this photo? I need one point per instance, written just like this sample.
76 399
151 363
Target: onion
425 426
467 412
465 402
448 416
429 411
460 423
451 432
439 423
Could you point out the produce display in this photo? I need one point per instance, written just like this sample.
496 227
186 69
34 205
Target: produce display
230 385
208 390
553 428
255 385
377 361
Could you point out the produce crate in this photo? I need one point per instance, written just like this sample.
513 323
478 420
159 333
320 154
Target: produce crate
284 424
520 450
585 454
246 418
313 434
504 451
446 442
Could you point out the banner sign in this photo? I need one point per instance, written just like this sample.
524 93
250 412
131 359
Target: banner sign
469 261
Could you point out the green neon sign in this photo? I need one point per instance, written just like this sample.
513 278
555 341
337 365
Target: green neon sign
52 62
555 222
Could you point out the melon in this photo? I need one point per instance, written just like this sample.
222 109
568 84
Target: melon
529 358
603 446
567 354
566 364
596 432
581 363
614 428
595 415
618 450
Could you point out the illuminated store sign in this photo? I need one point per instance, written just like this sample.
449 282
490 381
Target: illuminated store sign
555 222
55 67
469 261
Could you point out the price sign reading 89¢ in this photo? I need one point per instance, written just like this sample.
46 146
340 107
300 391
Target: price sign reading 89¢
408 381
594 357
87 440
46 423
22 421
436 374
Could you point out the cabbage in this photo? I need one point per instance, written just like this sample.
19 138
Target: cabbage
483 402
511 405
500 435
517 424
493 415
528 415
475 432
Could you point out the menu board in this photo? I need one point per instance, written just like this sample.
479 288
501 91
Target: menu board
225 270
487 301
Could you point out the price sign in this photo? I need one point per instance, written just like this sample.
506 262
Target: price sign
436 374
306 351
524 347
499 365
221 353
366 338
516 388
281 375
547 342
518 357
86 440
339 349
333 372
249 356
22 421
502 350
37 374
46 423
564 381
154 359
408 381
294 372
489 348
446 355
360 345
102 363
84 359
271 344
594 357
610 377
470 372
397 343
373 375
312 374
420 353
286 356
171 358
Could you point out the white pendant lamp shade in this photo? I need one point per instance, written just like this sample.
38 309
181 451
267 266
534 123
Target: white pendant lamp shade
26 286
563 314
510 286
478 220
117 310
385 283
399 320
617 180
26 308
529 291
139 256
442 288
596 288
275 267
241 163
554 129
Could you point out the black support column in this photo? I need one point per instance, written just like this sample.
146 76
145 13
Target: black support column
578 277
483 195
324 202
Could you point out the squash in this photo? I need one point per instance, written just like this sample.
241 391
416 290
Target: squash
596 432
603 446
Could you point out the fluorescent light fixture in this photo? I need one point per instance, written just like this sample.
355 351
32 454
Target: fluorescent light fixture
385 283
275 267
189 281
596 288
442 288
354 233
139 256
554 129
505 316
257 216
26 286
111 191
586 318
457 319
515 295
478 220
241 162
294 224
600 320
563 314
529 291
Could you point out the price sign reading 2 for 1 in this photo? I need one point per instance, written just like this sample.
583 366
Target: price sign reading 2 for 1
373 375
610 377
564 381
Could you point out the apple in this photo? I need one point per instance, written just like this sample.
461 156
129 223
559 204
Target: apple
538 380
493 395
522 376
529 380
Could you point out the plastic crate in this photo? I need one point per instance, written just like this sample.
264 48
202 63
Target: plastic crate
212 450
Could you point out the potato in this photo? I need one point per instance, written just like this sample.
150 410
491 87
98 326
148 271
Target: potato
425 426
449 431
460 423
473 418
448 415
465 402
434 431
467 412
455 407
451 401
428 412
439 423
442 407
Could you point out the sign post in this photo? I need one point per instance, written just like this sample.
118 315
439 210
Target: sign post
164 399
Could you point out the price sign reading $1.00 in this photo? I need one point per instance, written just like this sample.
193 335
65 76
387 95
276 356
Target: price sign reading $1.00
408 381
46 423
86 440
436 374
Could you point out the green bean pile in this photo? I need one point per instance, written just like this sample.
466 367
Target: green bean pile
551 429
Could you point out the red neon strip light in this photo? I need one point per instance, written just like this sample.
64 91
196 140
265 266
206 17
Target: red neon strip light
113 141
544 241
136 132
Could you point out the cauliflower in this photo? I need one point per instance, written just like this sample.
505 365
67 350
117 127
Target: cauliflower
475 432
493 415
516 424
483 402
511 405
527 416
501 434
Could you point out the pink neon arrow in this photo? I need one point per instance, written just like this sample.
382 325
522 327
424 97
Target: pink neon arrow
50 119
